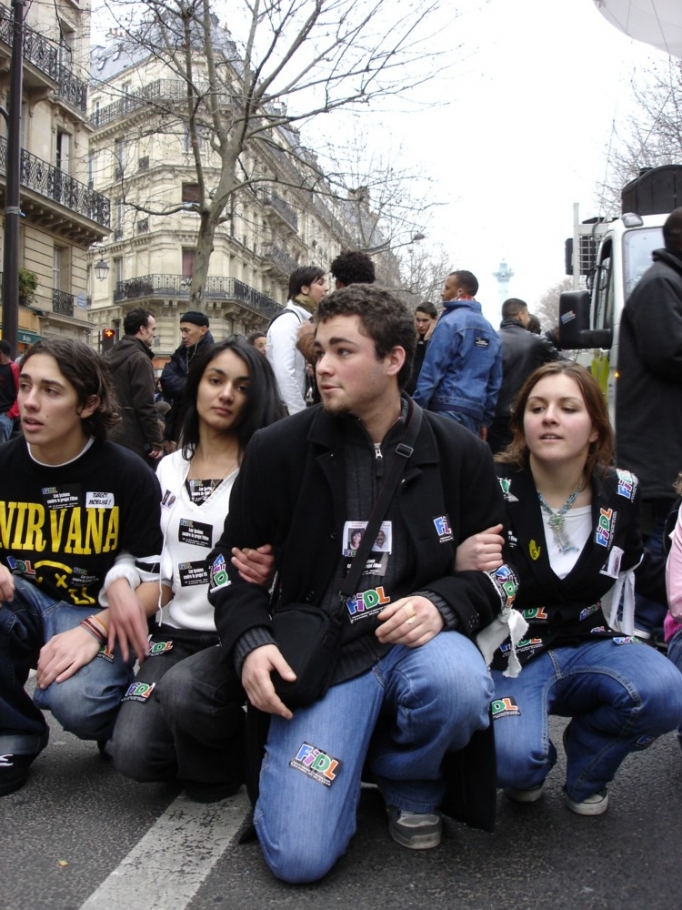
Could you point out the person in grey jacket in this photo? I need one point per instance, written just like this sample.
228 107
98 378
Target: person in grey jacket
132 373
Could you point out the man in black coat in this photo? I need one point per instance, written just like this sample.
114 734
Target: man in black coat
522 352
649 390
195 336
132 373
409 693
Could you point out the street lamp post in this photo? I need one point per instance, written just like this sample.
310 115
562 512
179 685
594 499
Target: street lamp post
10 275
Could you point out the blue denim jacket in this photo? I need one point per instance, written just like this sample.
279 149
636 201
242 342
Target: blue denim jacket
462 370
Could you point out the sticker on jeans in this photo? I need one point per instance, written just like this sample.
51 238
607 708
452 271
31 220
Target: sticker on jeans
159 647
367 603
192 573
139 691
504 707
316 764
643 742
106 654
626 640
195 532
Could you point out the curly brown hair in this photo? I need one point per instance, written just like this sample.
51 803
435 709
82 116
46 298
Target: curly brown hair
600 453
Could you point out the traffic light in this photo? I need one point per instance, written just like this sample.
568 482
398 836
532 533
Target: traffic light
108 339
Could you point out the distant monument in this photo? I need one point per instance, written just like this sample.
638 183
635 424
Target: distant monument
503 275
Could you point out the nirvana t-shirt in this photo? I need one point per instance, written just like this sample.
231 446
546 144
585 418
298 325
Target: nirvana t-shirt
62 527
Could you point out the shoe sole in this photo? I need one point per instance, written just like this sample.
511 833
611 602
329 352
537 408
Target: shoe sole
416 841
587 809
524 796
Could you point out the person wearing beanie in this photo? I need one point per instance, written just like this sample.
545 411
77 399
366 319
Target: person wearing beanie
194 330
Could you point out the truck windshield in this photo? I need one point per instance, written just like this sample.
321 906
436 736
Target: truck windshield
637 247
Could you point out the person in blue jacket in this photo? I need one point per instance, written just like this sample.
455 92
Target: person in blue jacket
462 370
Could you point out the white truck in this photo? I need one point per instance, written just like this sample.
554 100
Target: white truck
613 255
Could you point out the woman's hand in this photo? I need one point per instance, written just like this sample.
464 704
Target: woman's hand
63 654
256 566
481 552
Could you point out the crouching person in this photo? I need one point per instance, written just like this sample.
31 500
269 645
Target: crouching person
409 689
72 507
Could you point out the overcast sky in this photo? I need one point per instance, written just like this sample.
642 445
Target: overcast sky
525 135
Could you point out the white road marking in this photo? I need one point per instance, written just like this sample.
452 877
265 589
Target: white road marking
166 868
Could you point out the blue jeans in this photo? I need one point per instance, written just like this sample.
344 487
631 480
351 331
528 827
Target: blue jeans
434 696
471 423
620 698
192 725
86 704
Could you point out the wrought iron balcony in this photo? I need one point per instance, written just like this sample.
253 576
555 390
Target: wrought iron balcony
283 209
283 262
50 181
154 94
178 286
44 55
62 302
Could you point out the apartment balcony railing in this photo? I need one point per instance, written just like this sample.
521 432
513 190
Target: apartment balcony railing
53 183
279 258
44 55
283 209
161 90
73 89
179 287
62 302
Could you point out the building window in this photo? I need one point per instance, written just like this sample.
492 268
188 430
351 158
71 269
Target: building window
189 256
143 226
190 192
62 151
119 158
118 222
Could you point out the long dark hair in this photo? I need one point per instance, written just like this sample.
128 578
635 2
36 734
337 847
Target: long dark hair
600 453
88 373
263 405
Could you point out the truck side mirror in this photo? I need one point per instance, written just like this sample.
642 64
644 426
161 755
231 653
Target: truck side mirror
574 323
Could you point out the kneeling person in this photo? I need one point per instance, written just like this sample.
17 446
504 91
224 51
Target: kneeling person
73 507
407 653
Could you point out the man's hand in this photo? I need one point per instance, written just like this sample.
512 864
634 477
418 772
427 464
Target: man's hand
410 621
481 552
257 682
127 620
256 566
156 452
6 585
63 654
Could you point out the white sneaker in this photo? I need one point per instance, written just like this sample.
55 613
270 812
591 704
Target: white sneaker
524 796
596 804
414 830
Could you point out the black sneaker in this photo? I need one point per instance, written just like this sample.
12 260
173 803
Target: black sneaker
414 830
13 771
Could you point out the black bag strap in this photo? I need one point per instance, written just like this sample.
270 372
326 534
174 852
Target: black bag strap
403 453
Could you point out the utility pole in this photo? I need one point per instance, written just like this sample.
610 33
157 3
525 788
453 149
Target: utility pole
10 273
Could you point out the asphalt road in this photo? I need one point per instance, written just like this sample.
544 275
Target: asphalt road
80 837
